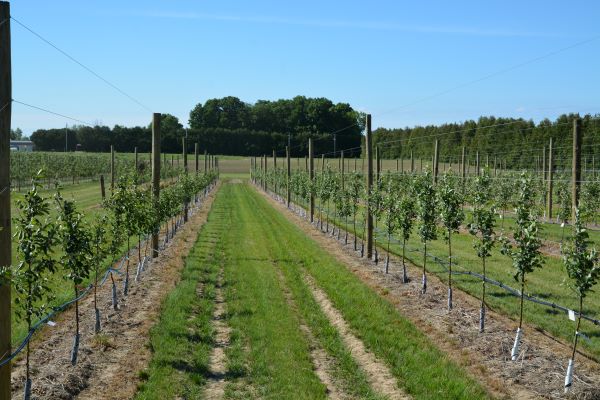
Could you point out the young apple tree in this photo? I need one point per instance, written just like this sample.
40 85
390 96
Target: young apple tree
581 262
526 255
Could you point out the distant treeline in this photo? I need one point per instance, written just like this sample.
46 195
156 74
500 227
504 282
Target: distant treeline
516 142
226 126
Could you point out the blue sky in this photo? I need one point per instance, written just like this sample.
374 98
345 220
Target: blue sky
389 58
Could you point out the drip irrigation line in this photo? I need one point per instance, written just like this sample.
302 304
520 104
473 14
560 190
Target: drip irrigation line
62 307
499 284
82 65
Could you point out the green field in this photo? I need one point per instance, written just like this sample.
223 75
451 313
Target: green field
264 262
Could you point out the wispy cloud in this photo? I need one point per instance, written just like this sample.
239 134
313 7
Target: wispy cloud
371 25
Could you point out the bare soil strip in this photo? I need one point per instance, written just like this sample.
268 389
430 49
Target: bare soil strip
322 362
379 375
540 369
109 362
215 386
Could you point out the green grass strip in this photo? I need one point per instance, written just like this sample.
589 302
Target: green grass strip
423 370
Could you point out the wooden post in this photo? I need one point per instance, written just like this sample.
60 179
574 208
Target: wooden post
205 161
275 170
196 156
463 165
377 165
156 117
5 219
544 165
436 160
311 177
477 163
576 168
185 171
343 168
112 168
412 163
266 171
368 144
397 165
550 180
102 191
289 176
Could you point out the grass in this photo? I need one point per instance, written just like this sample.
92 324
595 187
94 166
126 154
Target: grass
264 260
419 366
548 283
183 337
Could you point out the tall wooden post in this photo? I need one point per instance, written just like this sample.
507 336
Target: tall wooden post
186 204
377 165
266 171
196 156
576 176
311 177
436 160
412 163
368 144
343 168
102 191
463 165
289 175
275 170
477 163
112 168
544 165
156 117
550 180
5 225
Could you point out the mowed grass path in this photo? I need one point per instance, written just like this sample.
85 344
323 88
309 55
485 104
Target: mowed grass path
549 283
264 259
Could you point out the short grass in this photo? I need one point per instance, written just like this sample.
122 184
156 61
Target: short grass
265 256
419 366
183 337
548 283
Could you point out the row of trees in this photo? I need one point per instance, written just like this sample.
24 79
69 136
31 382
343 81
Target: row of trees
517 138
225 126
83 247
404 203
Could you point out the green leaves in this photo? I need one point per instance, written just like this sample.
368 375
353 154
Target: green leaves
75 240
525 253
484 216
426 212
36 235
581 260
450 201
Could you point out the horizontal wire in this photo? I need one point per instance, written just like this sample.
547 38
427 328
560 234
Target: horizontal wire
493 74
53 113
82 65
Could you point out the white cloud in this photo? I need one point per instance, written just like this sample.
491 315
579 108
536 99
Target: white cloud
371 25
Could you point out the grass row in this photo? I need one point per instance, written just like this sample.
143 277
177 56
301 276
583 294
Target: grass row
549 283
423 370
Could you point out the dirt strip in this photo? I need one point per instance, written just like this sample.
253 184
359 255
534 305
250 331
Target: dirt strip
322 362
109 363
378 374
215 386
540 370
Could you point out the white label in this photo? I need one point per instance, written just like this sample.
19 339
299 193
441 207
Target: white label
51 323
572 315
